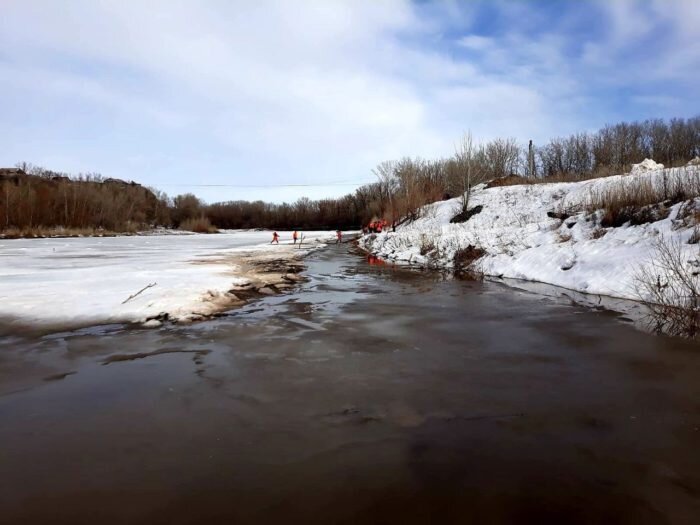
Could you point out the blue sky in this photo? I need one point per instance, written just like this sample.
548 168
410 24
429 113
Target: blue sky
182 94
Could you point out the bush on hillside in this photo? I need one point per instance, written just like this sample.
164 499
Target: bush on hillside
670 288
464 262
200 225
466 215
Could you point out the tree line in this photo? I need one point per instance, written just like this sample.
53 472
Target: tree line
32 197
35 197
614 148
405 185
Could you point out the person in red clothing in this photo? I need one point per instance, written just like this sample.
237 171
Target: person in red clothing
295 236
338 237
275 238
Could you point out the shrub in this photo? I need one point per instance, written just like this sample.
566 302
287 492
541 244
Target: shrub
464 216
464 259
200 225
511 180
670 288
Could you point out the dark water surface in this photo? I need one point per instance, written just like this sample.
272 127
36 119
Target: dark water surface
367 396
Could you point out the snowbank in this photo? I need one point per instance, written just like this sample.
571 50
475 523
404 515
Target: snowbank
644 166
523 242
81 281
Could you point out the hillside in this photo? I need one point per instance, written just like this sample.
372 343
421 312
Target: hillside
595 236
32 203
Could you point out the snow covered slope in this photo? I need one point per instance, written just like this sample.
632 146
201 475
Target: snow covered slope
86 280
523 242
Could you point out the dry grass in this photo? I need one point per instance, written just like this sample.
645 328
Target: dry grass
600 173
427 244
598 233
517 180
695 237
200 225
510 180
563 237
641 200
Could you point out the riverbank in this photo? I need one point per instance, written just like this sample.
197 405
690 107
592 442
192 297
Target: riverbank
553 233
150 279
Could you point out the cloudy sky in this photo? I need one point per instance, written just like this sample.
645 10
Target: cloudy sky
185 95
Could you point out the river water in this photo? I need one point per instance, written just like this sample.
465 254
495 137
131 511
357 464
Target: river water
369 395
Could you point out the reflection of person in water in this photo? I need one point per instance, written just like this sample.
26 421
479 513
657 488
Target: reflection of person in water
373 260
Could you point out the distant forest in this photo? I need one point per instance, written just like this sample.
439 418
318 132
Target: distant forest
34 200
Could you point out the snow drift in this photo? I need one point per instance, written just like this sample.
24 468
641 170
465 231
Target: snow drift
548 232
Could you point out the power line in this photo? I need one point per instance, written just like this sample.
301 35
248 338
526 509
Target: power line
266 185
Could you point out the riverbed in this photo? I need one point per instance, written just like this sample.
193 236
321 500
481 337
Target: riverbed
369 394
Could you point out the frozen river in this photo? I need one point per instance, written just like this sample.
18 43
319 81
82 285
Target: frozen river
82 281
367 395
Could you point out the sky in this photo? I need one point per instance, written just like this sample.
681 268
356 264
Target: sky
275 100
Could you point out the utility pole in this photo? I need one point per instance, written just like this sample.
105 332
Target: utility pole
531 160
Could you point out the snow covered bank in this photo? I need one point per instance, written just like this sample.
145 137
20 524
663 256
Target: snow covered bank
542 232
80 281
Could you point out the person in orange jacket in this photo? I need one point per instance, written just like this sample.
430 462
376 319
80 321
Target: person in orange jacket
295 236
275 238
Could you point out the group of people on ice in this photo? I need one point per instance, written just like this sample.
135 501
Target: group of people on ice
296 236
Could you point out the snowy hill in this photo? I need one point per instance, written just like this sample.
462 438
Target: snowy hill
552 232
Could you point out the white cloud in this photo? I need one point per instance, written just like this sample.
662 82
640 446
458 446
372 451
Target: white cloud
475 42
279 91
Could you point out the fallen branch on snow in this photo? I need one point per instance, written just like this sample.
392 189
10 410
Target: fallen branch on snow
139 292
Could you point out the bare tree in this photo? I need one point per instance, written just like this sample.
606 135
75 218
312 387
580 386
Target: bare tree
469 172
502 156
386 176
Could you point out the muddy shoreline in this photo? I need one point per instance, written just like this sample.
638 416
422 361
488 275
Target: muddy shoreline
265 273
